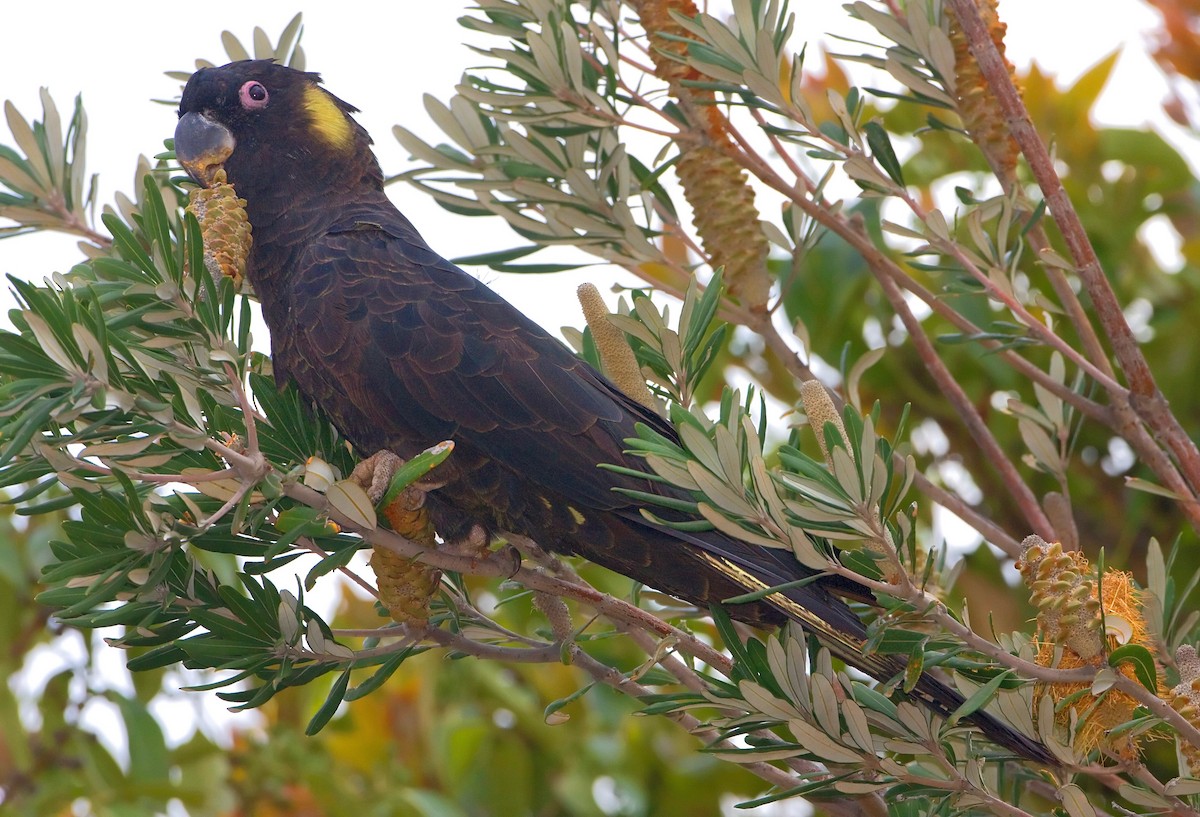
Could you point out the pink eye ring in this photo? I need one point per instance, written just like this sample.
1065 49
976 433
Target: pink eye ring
253 95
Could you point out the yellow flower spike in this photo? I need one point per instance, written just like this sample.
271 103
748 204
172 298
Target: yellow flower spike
225 228
1068 599
820 410
619 363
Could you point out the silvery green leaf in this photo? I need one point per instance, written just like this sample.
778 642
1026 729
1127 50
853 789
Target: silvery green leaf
422 151
1156 569
49 342
940 53
857 725
914 81
1052 404
1182 786
124 448
1040 446
860 367
755 755
315 637
289 623
672 471
336 650
701 447
1141 796
729 454
797 662
846 472
764 702
825 704
727 498
904 747
887 25
858 787
731 528
914 719
1047 731
349 499
821 744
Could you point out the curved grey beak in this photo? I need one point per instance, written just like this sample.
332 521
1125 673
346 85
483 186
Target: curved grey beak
202 146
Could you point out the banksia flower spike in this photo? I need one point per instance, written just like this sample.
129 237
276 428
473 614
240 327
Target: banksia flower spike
225 228
619 362
1069 602
715 185
976 107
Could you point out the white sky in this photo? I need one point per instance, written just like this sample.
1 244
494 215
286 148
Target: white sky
383 58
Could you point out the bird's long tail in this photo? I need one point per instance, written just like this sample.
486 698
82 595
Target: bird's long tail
837 627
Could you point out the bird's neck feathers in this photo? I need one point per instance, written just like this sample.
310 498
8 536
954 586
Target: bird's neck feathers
321 166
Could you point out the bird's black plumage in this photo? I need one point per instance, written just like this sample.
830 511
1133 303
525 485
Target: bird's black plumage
402 350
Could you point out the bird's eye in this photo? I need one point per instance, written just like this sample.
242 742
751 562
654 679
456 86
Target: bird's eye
253 95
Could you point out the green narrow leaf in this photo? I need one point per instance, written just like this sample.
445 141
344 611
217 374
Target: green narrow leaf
554 706
1143 664
416 468
148 756
980 698
384 672
882 151
336 695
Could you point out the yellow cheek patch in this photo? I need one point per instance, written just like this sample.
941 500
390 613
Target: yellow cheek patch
328 121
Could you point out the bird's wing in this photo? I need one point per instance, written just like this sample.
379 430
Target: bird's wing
409 338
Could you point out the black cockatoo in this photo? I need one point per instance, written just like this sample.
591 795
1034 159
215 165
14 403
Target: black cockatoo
402 350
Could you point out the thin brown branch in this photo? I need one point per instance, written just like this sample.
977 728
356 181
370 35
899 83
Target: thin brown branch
1145 397
1158 707
497 565
969 416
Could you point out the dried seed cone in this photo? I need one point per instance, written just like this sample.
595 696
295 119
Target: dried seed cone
713 183
980 116
225 228
1185 698
406 586
1065 592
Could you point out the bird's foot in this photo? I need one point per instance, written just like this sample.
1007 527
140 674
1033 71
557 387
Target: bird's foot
375 473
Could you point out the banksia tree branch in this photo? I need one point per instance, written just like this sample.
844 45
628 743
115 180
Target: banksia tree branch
1145 397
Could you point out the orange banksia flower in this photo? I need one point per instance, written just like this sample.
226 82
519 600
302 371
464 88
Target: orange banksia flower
1069 601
